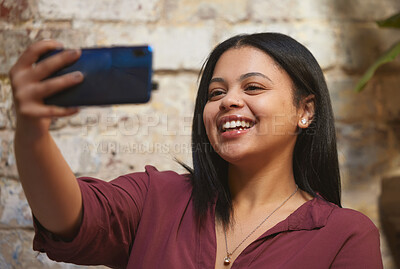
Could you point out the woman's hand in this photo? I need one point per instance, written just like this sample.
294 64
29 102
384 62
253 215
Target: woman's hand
49 183
30 86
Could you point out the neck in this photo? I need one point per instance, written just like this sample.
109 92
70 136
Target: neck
262 183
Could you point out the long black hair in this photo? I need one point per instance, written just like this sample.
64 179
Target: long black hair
315 160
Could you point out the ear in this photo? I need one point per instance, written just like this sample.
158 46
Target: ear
306 111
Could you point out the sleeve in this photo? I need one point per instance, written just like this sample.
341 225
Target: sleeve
111 215
361 249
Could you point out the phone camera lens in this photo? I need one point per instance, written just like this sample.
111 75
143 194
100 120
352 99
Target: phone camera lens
139 53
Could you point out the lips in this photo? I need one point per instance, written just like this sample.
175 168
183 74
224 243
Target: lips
234 123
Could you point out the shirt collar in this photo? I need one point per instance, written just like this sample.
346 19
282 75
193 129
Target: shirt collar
311 215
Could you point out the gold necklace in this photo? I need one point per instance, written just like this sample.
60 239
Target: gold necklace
227 259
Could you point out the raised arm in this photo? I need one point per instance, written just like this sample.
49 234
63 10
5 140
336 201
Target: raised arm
48 182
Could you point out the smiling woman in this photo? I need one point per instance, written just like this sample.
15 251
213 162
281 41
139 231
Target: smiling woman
290 99
264 191
263 99
272 85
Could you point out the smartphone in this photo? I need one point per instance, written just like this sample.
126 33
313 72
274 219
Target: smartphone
115 75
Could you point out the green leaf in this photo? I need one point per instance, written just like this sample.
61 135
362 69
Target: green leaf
393 21
388 56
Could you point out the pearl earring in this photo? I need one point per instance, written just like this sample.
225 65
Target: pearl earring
303 121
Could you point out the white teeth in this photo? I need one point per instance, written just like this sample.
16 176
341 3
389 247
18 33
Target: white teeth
236 124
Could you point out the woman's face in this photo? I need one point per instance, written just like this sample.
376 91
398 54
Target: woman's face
250 116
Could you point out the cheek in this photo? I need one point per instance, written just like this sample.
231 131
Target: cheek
208 118
291 112
289 121
277 116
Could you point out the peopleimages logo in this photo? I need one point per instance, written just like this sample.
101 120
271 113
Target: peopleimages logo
120 147
180 125
137 124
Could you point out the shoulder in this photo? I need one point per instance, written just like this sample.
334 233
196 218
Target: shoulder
357 239
351 220
148 189
328 214
348 235
156 179
158 183
139 185
352 227
318 213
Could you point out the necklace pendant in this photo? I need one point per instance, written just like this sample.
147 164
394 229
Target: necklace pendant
227 260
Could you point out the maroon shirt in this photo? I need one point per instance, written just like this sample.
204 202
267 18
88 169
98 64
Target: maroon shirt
146 220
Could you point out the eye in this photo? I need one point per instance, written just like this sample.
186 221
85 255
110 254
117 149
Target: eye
254 88
215 94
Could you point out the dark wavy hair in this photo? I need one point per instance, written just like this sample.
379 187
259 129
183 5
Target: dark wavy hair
315 160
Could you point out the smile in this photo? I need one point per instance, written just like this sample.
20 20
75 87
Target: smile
235 123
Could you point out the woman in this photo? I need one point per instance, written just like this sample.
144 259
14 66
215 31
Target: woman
265 194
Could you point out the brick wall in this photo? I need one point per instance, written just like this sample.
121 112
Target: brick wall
106 142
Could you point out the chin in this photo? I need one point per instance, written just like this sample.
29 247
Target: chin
233 157
232 152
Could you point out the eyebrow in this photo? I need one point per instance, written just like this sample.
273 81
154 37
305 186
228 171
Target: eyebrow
217 80
242 77
252 74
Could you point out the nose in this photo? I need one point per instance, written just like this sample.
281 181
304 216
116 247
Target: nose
231 101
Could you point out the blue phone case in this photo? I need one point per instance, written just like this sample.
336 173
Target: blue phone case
116 75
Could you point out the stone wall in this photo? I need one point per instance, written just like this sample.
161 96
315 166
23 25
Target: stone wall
109 141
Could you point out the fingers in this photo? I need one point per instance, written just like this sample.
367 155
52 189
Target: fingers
34 110
51 64
27 70
37 91
34 51
29 100
54 85
30 86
